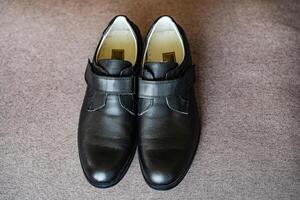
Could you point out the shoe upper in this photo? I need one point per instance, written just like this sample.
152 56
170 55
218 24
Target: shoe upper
107 132
168 118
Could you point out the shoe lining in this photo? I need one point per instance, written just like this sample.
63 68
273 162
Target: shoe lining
164 43
119 42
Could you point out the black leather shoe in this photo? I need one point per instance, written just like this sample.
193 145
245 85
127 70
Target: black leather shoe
107 135
168 119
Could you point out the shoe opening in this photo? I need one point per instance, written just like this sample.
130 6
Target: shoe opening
119 42
164 42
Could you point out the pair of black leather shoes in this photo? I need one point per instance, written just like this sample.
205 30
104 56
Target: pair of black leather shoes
139 97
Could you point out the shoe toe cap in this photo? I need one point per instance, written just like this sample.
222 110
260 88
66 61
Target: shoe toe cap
101 176
159 177
162 172
105 169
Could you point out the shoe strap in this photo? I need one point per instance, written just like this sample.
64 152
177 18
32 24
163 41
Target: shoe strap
109 84
165 88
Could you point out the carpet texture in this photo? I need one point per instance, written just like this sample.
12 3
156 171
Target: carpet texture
247 55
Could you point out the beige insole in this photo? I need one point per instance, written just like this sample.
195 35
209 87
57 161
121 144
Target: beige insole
118 43
164 43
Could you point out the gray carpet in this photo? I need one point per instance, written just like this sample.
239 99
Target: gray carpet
248 86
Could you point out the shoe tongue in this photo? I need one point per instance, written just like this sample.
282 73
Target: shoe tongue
160 70
113 67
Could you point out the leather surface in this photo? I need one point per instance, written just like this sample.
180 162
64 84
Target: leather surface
107 134
165 88
109 84
168 121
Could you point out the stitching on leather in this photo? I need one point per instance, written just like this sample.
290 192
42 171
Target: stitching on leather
99 107
181 112
147 109
124 106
